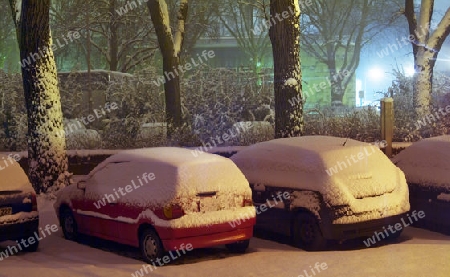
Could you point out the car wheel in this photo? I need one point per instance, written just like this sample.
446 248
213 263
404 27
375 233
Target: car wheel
239 246
150 245
395 235
307 234
31 247
69 225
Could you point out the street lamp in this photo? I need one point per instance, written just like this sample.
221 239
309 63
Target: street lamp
374 75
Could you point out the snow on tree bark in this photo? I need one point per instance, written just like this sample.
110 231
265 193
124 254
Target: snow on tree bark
287 70
170 49
47 158
426 47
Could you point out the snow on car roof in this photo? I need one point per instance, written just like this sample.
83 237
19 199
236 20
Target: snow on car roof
340 172
170 156
308 153
427 162
12 176
177 173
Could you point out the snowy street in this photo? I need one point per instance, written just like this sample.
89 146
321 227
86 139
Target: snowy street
417 253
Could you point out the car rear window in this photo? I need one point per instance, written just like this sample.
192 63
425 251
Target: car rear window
12 177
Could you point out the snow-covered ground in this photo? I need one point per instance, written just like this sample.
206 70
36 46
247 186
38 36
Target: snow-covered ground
416 253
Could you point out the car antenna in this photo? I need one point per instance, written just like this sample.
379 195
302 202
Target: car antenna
345 141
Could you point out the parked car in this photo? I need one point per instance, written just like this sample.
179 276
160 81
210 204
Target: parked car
19 217
318 188
426 164
161 199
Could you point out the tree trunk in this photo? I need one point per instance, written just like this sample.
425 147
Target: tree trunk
172 92
287 71
337 94
170 49
423 83
46 141
426 46
113 40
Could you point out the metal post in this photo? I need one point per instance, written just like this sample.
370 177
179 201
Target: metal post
387 123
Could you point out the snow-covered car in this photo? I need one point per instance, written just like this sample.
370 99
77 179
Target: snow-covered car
426 164
161 199
19 217
318 188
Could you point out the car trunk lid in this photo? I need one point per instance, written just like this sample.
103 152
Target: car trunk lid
364 172
16 201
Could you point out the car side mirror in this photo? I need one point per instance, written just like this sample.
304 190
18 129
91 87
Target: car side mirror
81 185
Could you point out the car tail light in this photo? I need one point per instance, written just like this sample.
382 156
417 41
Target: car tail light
170 212
34 206
247 203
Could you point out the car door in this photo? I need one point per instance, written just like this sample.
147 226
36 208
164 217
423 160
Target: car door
80 208
271 212
101 200
133 189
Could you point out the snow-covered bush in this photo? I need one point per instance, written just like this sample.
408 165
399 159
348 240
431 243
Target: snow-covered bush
255 132
364 123
78 137
212 101
140 102
215 99
357 123
72 91
13 119
151 130
406 126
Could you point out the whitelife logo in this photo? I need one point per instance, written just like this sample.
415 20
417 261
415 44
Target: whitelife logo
341 165
432 118
406 41
9 160
261 208
266 24
124 191
182 250
24 243
318 268
183 68
316 88
98 113
218 140
397 226
129 6
71 36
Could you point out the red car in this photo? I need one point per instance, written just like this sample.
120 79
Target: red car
161 199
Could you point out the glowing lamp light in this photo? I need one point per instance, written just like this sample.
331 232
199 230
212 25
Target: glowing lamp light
375 74
409 71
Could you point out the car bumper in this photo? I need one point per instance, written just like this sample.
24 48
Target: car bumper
437 210
361 229
202 237
15 231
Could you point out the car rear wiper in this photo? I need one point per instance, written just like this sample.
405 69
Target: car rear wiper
206 194
345 141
